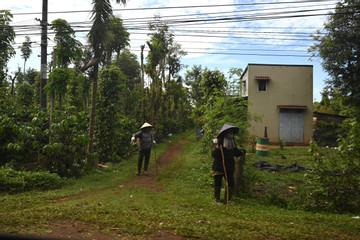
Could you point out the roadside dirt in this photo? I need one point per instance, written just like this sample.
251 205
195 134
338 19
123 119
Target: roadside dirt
67 229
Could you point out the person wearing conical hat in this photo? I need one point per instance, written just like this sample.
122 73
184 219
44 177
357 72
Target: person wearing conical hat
223 161
145 141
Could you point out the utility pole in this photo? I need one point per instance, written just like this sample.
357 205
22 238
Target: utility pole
142 83
43 69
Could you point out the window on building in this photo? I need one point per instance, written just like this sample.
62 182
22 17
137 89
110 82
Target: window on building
262 85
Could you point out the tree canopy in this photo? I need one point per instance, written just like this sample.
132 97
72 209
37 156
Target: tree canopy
339 48
7 37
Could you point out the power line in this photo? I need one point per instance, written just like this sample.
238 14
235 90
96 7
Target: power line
246 54
187 7
182 26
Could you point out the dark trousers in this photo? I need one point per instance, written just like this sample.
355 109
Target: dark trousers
218 180
218 184
142 154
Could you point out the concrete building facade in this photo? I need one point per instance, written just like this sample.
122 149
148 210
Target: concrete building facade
282 96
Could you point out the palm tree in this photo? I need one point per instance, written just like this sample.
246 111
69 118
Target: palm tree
98 37
26 50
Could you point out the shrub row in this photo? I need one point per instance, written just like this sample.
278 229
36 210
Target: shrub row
13 181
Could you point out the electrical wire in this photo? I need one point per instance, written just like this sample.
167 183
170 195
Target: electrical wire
182 26
185 7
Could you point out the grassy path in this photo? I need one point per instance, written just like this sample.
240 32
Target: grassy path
176 203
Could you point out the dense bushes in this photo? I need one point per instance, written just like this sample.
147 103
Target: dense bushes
24 141
224 109
22 135
113 130
12 181
66 153
326 134
335 181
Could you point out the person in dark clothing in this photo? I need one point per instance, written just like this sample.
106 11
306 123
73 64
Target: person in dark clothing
145 141
223 154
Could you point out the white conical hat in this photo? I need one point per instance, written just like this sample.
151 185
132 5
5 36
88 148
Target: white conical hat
226 127
145 125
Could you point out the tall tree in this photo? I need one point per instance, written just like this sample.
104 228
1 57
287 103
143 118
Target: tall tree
164 55
213 83
235 86
67 47
119 39
339 47
173 65
155 66
98 37
7 36
26 50
111 87
192 79
130 67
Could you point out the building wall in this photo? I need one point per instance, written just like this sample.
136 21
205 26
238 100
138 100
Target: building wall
289 85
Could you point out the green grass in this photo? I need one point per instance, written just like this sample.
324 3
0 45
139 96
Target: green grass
185 205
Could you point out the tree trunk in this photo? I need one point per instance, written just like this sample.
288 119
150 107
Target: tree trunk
108 58
92 112
52 101
13 81
51 120
24 68
239 175
163 93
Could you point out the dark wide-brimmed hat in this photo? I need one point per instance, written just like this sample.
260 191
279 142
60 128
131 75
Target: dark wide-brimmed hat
146 125
225 128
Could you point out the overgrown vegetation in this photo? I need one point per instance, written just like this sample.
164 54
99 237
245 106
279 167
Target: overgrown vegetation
184 205
88 120
13 181
95 106
334 184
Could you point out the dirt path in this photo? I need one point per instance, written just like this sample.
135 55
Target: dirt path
68 229
163 160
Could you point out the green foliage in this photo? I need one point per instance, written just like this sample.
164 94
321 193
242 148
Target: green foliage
112 137
177 202
21 135
332 102
327 134
250 179
224 109
129 65
79 90
235 86
192 79
31 76
119 38
25 94
7 36
281 144
212 83
13 181
59 78
24 141
67 47
66 153
338 46
26 50
335 182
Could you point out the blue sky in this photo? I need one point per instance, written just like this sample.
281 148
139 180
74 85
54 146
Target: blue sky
257 31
